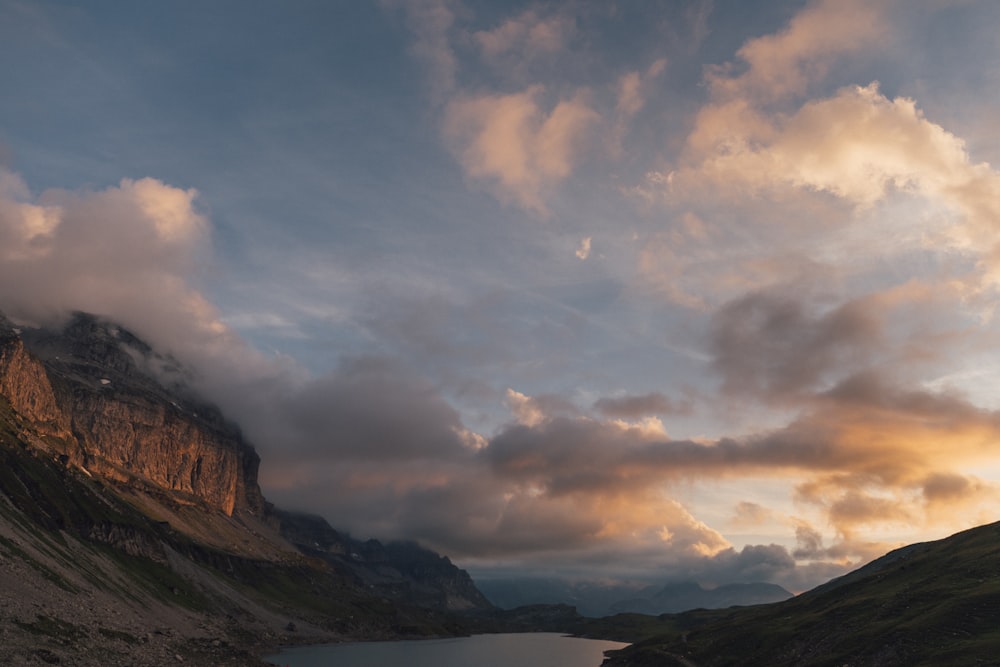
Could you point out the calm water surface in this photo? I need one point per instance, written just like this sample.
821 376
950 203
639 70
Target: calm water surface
537 649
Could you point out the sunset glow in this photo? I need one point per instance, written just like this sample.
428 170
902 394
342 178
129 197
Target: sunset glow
599 290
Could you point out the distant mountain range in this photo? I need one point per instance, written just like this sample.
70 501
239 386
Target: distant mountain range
935 603
596 599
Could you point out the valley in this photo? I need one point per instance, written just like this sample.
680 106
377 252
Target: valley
133 532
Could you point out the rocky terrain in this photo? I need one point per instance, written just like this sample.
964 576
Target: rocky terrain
133 530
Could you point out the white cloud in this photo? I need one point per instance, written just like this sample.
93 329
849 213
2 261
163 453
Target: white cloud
131 252
170 210
524 408
865 150
858 145
583 250
25 227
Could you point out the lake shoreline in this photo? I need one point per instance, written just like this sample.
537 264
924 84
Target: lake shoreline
483 648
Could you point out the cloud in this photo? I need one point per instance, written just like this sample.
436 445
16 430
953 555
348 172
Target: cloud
632 91
829 247
768 344
835 184
25 227
367 409
516 146
828 166
948 486
868 453
431 21
814 215
524 37
790 223
810 542
783 64
115 251
635 406
780 181
376 447
134 253
858 145
509 116
751 514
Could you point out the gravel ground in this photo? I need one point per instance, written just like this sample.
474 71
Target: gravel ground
65 604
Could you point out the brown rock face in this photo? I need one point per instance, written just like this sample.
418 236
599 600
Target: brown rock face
132 436
105 392
26 386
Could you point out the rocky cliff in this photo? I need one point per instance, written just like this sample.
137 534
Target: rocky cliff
25 385
117 483
99 393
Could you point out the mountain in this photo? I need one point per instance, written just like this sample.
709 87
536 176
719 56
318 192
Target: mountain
402 571
133 530
934 603
683 596
591 599
595 599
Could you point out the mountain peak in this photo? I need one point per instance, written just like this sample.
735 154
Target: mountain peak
122 410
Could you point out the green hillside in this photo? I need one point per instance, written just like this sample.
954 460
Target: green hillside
936 603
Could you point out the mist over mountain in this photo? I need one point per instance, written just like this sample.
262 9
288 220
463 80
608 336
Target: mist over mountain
125 493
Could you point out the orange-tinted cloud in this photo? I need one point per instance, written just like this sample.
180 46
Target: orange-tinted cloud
632 92
515 145
785 63
525 37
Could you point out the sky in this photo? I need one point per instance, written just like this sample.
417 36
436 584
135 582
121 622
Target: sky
602 290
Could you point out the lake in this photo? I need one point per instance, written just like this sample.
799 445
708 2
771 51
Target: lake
536 649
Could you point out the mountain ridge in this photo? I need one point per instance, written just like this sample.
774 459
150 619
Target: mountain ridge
594 599
138 481
931 603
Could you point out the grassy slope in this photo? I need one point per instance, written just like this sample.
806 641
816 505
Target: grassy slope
936 603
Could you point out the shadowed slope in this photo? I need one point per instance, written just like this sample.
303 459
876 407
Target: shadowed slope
932 603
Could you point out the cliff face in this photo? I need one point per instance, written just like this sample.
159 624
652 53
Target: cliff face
101 394
99 406
26 386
